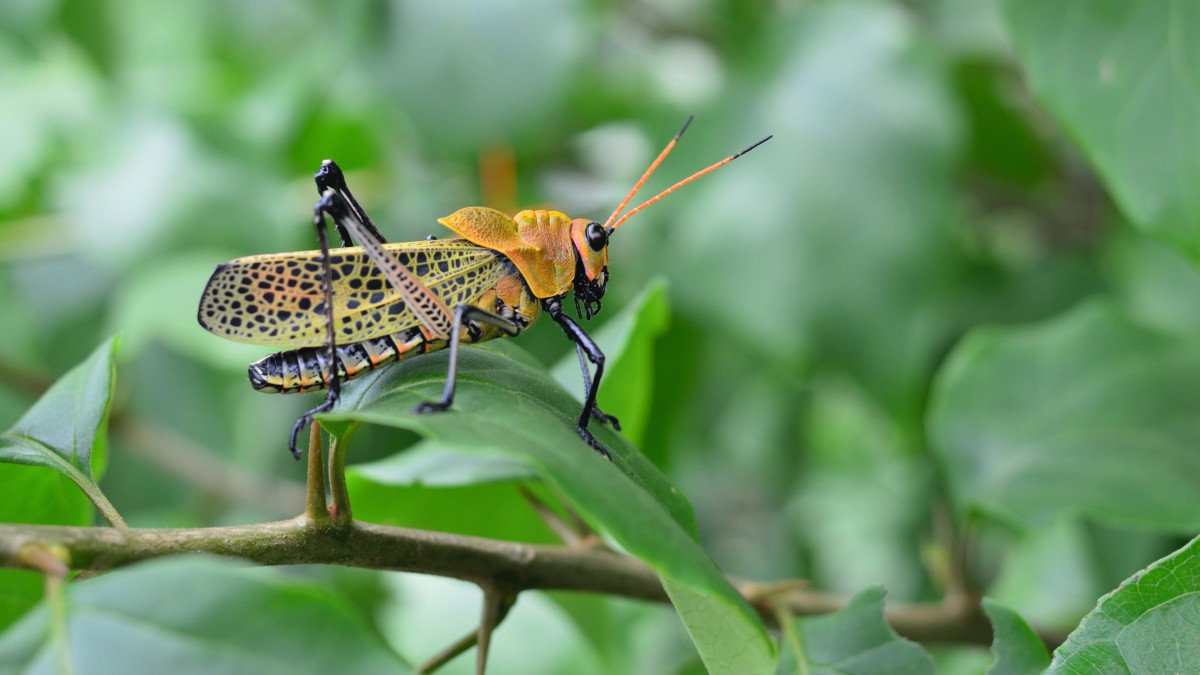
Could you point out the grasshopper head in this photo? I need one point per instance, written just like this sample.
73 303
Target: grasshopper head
591 264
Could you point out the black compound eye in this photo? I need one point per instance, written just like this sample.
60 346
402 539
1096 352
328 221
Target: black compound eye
597 238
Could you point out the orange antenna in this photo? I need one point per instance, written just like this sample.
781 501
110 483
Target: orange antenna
683 182
653 165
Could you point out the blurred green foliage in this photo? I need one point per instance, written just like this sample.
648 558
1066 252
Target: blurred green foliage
961 279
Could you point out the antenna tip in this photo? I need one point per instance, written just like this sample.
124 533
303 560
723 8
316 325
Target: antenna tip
683 128
753 146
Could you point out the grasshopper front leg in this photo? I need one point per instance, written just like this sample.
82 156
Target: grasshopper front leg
584 342
600 416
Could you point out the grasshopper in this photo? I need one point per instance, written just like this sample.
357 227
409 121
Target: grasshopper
345 311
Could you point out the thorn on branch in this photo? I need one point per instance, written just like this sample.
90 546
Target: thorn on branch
566 532
765 594
314 507
496 604
340 509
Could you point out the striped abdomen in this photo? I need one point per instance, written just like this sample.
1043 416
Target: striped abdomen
302 370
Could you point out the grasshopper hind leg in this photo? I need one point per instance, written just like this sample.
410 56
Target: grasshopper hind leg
333 378
337 201
330 176
331 399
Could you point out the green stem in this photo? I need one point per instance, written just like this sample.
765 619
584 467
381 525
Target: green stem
787 626
105 507
56 598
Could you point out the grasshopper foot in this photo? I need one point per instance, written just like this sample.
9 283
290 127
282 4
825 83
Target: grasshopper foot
431 407
305 420
605 418
591 441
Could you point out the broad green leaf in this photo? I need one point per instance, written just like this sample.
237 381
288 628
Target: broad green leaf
859 496
1121 77
1049 574
628 345
1089 413
1147 625
199 615
1156 284
1018 650
65 429
856 640
507 407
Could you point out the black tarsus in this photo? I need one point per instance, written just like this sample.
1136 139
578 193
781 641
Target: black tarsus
462 315
330 176
584 342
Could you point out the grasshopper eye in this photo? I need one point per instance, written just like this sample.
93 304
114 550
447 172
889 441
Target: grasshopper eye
597 238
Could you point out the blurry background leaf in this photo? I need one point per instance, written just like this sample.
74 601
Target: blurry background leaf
856 639
1134 62
454 85
1036 421
222 616
1018 650
831 247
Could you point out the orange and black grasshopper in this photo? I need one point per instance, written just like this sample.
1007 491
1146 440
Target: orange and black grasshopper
345 311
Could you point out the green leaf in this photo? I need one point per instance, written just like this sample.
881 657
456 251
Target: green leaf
1121 77
1018 650
1147 625
65 429
1089 413
198 615
627 341
857 639
507 407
